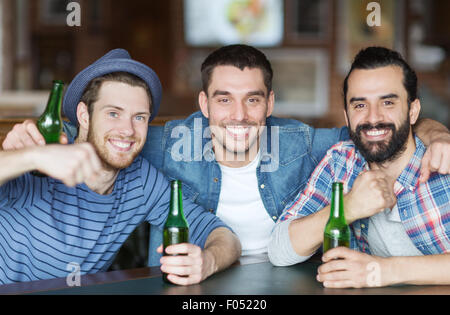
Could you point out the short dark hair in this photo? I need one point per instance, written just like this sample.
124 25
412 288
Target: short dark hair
239 56
90 94
377 57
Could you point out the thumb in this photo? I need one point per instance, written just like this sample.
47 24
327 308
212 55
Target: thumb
63 139
160 249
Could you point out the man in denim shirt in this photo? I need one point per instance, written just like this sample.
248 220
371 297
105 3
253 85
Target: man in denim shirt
234 158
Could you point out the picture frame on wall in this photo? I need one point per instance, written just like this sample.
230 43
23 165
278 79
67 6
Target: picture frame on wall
355 33
258 23
301 82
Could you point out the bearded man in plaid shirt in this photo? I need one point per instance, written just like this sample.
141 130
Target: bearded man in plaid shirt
400 222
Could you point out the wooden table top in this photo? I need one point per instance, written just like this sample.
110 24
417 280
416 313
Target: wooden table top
256 277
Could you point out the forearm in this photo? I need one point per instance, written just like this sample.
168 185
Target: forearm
15 163
280 249
418 270
428 130
222 248
306 234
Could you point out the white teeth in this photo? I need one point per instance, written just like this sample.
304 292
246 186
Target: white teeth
122 145
376 132
238 130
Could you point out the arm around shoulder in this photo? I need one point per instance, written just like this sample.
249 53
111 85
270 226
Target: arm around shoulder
437 139
429 130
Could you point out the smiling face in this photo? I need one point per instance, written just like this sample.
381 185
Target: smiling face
378 114
117 126
237 104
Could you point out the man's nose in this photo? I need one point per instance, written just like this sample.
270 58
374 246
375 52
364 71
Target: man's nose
239 112
126 127
374 114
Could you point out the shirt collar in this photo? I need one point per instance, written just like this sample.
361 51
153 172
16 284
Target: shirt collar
409 178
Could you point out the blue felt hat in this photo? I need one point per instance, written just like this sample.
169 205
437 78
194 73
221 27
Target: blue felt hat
117 60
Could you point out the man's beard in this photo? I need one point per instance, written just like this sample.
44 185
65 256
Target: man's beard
380 151
108 162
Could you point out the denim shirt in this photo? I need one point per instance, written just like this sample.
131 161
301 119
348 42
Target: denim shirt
290 149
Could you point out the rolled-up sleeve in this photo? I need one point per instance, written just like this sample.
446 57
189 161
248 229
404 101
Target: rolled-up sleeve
280 250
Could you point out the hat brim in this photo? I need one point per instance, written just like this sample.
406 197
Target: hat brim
76 88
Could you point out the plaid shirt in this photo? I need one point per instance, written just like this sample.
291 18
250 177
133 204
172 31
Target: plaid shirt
424 208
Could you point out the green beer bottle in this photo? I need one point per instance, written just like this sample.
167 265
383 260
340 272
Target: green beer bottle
50 122
176 228
337 231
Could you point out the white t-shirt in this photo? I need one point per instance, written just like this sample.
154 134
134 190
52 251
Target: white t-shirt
241 208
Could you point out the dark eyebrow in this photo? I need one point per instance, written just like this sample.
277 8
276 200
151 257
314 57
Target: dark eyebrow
357 99
251 93
259 93
122 109
219 92
112 106
392 95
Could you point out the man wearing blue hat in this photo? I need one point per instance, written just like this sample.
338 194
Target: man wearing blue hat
99 189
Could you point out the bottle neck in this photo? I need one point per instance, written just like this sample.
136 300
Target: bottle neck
337 202
176 200
54 101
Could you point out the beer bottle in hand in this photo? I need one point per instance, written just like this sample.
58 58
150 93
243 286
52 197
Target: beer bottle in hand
337 231
50 123
176 229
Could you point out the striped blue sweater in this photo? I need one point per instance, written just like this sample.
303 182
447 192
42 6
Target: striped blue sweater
45 225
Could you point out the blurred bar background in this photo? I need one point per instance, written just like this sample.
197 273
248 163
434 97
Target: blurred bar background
310 43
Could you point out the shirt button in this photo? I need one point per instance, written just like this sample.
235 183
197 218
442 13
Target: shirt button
216 180
211 210
262 186
274 217
363 226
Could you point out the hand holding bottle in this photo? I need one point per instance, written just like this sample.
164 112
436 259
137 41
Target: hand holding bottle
25 135
48 128
183 264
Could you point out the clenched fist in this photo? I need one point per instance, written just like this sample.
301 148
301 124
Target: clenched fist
72 164
372 192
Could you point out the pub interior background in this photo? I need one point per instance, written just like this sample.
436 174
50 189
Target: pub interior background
310 43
